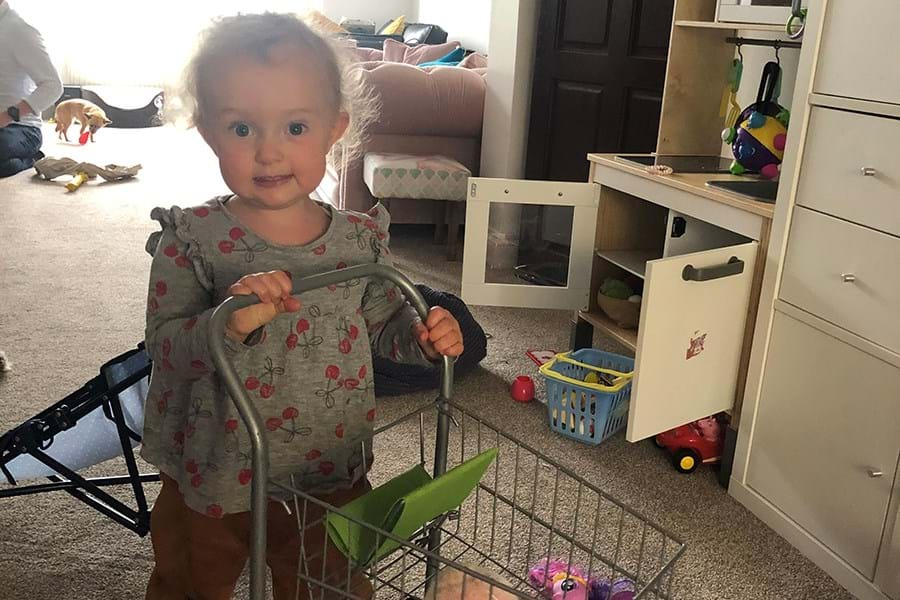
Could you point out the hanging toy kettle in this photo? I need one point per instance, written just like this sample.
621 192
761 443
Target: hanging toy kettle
759 133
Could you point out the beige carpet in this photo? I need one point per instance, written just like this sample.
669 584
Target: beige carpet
73 275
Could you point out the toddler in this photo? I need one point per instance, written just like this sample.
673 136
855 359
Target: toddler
271 98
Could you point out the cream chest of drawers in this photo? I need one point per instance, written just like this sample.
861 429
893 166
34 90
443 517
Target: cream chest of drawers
819 460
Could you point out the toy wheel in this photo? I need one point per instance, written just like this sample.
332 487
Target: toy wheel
686 460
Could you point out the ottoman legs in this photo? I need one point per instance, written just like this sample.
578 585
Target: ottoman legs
455 216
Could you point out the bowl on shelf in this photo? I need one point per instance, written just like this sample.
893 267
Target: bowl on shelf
624 312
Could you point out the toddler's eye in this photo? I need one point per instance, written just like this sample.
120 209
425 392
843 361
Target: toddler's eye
296 128
241 129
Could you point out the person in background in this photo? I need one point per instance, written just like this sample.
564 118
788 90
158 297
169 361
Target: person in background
29 84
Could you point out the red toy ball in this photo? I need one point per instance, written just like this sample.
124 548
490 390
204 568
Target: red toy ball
522 389
83 139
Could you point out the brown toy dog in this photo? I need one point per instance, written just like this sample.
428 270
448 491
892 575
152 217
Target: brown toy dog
85 112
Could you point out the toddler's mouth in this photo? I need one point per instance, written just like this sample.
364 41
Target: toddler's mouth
271 180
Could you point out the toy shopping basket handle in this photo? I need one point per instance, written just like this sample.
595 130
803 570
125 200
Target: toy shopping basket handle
258 440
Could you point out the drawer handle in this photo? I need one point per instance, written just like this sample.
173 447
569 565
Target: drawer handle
734 266
869 171
874 473
848 277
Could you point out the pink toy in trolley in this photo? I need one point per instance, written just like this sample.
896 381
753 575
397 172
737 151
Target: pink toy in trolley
559 580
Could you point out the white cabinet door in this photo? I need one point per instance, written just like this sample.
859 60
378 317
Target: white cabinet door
860 50
857 179
845 274
689 345
826 439
510 258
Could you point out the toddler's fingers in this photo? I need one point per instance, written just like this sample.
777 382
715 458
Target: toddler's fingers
444 343
291 304
436 315
420 331
256 286
442 329
287 286
274 287
239 289
453 349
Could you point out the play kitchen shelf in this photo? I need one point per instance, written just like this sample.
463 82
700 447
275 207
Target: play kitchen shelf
730 26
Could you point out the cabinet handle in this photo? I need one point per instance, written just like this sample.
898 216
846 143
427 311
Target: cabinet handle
869 171
734 266
848 277
874 473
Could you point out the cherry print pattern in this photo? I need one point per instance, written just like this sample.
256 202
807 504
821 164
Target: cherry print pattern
265 382
339 381
239 243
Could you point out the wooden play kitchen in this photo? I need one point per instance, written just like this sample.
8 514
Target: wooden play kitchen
693 250
773 301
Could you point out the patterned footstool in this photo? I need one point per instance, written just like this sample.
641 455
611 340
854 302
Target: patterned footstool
436 178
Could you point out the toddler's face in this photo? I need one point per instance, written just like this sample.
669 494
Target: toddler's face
271 123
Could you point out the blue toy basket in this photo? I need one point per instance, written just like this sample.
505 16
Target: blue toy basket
587 393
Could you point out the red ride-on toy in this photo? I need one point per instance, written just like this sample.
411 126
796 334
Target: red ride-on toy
694 443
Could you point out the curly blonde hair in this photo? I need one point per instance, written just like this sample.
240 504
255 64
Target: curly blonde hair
255 35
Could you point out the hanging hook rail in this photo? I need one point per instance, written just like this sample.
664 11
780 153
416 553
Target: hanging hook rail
777 44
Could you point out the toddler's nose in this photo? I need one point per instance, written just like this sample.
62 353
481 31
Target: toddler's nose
268 151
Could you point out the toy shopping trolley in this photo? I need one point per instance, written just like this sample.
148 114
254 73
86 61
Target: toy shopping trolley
493 518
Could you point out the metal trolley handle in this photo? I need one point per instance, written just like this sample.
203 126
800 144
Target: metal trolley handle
258 441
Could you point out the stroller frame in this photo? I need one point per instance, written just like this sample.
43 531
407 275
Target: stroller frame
35 436
630 535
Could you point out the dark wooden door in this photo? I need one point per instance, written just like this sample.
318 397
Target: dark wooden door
599 73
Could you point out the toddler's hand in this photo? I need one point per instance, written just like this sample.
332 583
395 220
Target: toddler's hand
274 291
439 335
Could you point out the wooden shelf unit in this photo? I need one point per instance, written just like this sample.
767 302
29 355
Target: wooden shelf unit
627 337
732 26
633 261
700 58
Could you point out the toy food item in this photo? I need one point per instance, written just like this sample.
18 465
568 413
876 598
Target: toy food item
78 181
619 302
616 288
522 389
83 138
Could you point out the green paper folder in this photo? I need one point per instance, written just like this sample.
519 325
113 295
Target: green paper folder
403 506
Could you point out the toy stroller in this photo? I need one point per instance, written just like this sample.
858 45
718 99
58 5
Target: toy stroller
54 444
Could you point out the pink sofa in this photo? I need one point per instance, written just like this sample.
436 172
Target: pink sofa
435 110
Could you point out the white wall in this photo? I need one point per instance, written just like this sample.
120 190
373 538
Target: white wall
380 11
507 106
466 21
508 96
